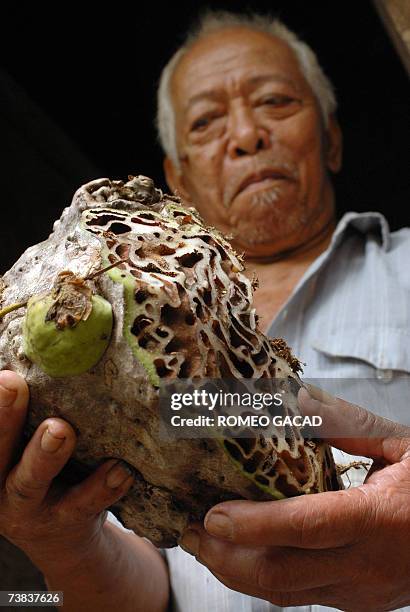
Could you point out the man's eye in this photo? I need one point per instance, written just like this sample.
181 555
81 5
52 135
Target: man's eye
200 124
277 100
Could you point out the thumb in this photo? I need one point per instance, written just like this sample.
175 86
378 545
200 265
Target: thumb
353 429
14 391
14 396
323 520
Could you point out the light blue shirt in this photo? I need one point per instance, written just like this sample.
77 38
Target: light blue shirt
347 319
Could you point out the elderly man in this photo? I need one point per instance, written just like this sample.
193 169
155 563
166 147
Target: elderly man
251 140
246 118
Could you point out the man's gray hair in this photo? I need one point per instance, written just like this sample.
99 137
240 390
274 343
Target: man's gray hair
213 21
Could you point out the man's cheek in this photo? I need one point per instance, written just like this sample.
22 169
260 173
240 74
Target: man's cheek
303 136
207 184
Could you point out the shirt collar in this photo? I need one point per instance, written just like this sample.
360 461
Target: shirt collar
365 223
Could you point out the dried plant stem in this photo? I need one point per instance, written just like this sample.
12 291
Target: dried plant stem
117 263
12 307
342 469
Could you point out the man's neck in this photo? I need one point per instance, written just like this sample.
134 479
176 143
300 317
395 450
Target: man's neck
279 275
307 251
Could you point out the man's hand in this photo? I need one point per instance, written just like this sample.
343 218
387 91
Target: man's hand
348 549
51 524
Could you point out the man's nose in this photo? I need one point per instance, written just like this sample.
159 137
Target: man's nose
246 137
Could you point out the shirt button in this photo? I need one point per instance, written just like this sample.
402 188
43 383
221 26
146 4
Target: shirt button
384 375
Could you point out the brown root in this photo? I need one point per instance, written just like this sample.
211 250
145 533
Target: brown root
342 469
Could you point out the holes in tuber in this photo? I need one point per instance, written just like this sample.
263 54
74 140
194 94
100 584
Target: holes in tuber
235 339
247 444
243 367
221 250
161 332
145 219
190 319
185 369
262 480
233 450
147 342
152 268
216 328
119 228
198 308
164 249
105 219
224 368
207 297
189 259
173 345
205 338
141 295
170 315
123 250
162 370
140 323
252 463
261 357
284 487
243 287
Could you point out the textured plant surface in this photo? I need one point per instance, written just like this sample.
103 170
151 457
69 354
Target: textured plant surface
95 347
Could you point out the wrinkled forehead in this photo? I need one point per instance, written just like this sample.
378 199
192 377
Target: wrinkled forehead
233 55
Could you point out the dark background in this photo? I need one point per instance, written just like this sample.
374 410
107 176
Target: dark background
77 100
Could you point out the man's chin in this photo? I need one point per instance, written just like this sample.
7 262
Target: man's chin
254 234
262 227
273 202
255 244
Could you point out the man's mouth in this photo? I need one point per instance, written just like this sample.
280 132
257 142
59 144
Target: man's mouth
261 179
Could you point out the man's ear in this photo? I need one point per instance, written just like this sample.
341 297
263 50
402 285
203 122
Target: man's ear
334 145
174 179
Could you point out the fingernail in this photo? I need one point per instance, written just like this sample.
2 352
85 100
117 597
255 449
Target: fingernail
190 542
118 474
49 442
7 396
219 525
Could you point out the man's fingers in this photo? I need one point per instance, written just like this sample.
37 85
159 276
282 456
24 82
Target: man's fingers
106 485
323 520
43 458
14 396
268 568
283 599
354 429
